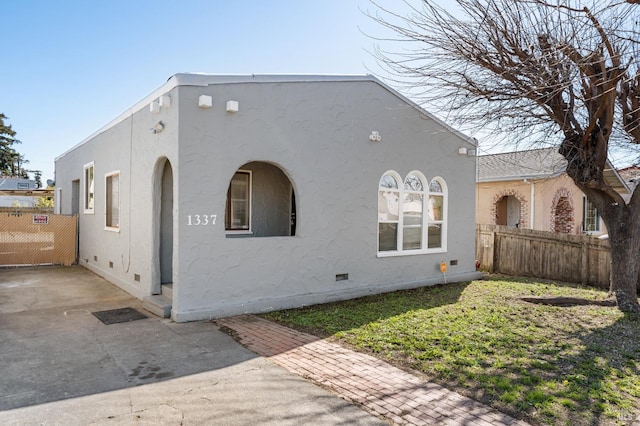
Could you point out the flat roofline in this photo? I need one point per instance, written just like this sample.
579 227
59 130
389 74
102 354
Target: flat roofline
203 79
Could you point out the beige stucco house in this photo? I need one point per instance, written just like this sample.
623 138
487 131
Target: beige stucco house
530 189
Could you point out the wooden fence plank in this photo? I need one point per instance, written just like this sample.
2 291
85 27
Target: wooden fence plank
549 255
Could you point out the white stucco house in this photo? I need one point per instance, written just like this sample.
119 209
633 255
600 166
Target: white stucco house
219 195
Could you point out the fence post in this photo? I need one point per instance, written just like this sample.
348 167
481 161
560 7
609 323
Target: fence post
584 266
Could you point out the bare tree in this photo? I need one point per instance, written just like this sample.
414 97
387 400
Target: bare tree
557 71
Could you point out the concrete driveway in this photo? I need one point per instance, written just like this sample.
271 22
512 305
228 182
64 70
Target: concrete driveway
59 364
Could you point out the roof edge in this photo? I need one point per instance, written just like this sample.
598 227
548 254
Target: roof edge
470 140
520 177
203 79
166 87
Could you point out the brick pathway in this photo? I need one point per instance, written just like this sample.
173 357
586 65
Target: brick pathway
379 387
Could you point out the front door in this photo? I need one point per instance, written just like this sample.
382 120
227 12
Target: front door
166 225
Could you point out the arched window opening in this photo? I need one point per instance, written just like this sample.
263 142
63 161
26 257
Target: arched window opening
260 202
563 216
401 207
508 211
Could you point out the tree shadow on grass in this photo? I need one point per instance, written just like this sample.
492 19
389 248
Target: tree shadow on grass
561 365
585 377
346 315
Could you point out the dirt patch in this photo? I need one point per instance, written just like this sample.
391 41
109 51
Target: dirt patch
568 301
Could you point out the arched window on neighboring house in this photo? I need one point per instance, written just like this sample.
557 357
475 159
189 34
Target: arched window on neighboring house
562 219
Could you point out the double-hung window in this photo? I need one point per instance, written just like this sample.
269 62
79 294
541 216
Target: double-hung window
112 185
388 212
435 220
89 185
412 218
238 211
590 217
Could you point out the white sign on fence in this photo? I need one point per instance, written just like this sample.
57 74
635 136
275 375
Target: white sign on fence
40 219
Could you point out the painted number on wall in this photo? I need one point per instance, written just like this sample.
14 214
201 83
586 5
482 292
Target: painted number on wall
201 219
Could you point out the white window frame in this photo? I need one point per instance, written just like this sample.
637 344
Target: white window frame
426 221
585 204
250 203
445 214
88 188
57 200
398 222
108 227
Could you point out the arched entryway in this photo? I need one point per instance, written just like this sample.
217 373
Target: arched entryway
166 225
163 254
508 211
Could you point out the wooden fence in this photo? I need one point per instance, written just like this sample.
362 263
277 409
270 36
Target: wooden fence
549 255
36 238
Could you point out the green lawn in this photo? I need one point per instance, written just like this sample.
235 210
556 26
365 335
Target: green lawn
544 364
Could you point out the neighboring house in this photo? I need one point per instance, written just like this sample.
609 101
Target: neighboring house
254 193
11 189
530 189
631 175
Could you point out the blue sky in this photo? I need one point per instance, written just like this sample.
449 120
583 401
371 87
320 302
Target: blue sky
70 67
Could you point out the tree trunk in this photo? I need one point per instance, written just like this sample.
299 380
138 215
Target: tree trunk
585 166
624 239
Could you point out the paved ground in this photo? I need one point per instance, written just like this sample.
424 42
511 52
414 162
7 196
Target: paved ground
379 387
59 365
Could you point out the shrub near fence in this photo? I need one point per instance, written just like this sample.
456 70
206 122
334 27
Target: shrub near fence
31 237
564 257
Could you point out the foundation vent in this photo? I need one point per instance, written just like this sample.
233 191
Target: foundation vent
342 277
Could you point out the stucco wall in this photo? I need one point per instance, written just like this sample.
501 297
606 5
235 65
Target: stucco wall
317 134
545 193
130 147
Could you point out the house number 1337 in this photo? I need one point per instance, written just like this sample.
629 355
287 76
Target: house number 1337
201 219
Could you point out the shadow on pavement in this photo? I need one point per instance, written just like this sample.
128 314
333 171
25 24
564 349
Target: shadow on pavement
61 365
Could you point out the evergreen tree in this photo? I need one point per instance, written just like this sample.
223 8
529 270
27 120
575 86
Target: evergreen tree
11 161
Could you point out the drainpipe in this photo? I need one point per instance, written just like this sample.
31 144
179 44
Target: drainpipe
532 203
